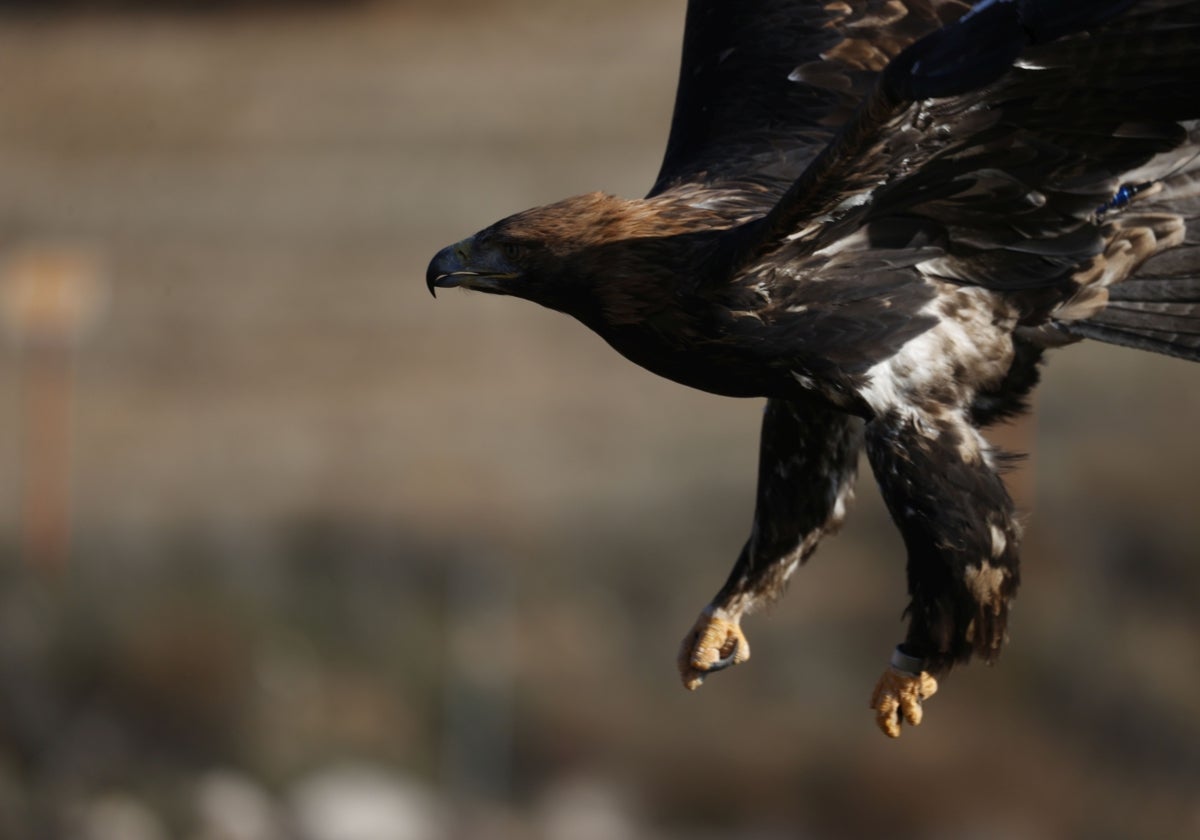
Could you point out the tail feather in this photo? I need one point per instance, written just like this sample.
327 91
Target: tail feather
1169 290
1180 345
1152 317
1160 314
1156 313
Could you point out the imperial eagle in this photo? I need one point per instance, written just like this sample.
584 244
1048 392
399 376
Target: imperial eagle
879 214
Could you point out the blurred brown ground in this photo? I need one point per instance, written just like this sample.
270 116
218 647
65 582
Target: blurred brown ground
320 519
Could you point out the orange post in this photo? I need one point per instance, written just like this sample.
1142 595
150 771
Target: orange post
49 298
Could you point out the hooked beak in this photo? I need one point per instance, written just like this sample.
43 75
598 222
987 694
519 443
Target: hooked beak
448 268
453 266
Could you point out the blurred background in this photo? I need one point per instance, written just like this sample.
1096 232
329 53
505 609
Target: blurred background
289 550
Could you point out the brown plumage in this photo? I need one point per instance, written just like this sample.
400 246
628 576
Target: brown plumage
879 214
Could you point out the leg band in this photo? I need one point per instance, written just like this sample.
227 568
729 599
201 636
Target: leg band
905 664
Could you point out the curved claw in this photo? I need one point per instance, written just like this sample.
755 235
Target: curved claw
897 697
715 643
725 661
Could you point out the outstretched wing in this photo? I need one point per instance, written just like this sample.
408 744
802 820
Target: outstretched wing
765 84
1011 150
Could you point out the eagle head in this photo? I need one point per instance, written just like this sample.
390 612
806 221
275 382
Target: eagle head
537 254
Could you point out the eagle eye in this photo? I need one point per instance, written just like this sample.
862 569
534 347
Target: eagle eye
512 250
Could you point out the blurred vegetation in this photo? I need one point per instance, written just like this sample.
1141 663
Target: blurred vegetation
343 556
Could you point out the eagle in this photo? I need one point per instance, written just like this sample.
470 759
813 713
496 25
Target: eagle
879 215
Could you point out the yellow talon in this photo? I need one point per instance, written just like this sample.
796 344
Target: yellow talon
713 644
897 696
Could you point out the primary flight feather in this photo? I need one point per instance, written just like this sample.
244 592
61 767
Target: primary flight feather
878 214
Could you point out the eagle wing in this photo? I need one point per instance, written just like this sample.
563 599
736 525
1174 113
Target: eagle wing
997 153
764 85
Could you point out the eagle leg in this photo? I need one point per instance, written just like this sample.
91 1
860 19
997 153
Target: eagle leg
936 475
808 457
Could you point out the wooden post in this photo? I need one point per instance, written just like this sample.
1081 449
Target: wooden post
50 296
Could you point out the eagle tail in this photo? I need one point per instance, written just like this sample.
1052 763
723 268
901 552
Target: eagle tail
1156 313
1144 291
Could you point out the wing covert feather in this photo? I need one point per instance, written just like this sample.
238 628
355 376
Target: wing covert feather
1011 179
765 84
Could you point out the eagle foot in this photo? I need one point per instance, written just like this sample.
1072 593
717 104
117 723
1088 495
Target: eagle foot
897 697
713 644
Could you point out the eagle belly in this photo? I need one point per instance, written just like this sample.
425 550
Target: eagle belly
724 367
968 349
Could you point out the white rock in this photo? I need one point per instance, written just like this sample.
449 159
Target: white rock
585 809
230 806
359 802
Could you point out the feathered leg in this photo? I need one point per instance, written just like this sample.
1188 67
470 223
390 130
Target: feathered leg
958 526
808 458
